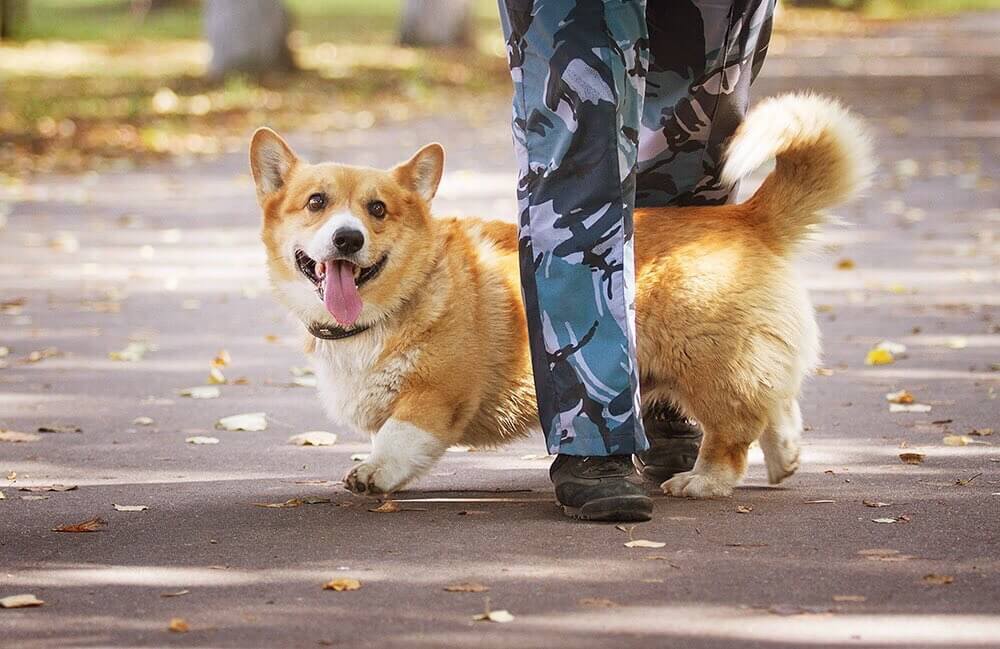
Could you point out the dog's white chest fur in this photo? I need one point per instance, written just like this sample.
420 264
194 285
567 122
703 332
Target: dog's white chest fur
356 386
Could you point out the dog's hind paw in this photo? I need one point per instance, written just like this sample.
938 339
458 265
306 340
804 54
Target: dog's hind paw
696 485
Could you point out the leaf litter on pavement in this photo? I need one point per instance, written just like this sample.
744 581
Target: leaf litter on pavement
20 601
90 525
251 421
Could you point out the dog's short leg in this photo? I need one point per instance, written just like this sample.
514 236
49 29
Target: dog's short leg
722 460
780 440
401 452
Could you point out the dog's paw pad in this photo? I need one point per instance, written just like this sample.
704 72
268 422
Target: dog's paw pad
362 479
696 485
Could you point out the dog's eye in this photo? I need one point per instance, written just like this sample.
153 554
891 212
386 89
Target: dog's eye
317 202
377 209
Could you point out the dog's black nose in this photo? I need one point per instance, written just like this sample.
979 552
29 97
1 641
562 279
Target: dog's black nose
348 241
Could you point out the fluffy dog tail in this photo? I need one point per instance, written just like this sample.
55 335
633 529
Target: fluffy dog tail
823 157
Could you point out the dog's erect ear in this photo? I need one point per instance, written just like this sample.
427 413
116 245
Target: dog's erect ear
271 159
422 172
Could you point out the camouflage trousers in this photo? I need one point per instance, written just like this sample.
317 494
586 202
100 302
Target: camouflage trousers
617 104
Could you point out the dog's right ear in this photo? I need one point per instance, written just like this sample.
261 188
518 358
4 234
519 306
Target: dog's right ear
271 161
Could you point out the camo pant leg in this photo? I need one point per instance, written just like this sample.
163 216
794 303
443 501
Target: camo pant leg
578 68
704 54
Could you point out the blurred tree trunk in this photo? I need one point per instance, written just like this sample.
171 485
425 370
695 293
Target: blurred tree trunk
10 12
430 23
247 36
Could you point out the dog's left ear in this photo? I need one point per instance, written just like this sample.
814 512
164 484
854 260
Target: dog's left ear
271 161
422 172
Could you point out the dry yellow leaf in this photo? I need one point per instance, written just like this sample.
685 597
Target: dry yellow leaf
642 543
89 525
879 357
20 601
388 507
215 376
744 509
221 359
13 436
342 584
956 440
467 587
899 397
845 264
938 580
501 616
912 457
178 625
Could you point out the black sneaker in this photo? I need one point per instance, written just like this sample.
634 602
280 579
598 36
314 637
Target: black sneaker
673 443
599 488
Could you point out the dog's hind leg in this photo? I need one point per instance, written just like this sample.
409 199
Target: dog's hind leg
722 460
781 439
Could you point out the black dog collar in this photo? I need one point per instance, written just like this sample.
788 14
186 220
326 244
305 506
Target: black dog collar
327 332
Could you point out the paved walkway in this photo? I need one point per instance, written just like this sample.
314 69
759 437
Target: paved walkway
170 256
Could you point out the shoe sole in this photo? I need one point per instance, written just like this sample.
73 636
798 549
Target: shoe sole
618 509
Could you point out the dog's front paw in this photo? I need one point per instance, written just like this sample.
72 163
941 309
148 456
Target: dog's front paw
696 485
365 479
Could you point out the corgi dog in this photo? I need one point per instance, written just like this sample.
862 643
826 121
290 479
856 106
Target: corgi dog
416 328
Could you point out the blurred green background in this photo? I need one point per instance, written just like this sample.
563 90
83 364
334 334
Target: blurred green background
96 83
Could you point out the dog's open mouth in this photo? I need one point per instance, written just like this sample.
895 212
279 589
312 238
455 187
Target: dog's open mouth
337 282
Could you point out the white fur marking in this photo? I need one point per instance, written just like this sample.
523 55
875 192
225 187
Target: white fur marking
320 244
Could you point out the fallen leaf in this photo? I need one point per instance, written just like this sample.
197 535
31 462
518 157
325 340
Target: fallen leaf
221 359
202 392
884 554
177 593
819 502
912 457
58 428
902 396
295 502
201 439
956 440
342 584
909 407
965 482
981 432
744 509
502 616
143 421
130 508
50 487
849 598
845 264
89 525
467 587
41 354
313 438
13 436
216 377
938 580
879 357
20 601
251 421
884 520
178 625
875 503
388 507
597 602
12 475
642 543
132 353
304 382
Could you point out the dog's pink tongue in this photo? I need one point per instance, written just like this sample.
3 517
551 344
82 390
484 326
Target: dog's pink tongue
340 293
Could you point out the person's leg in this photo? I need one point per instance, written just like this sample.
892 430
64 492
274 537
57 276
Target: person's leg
704 54
578 68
